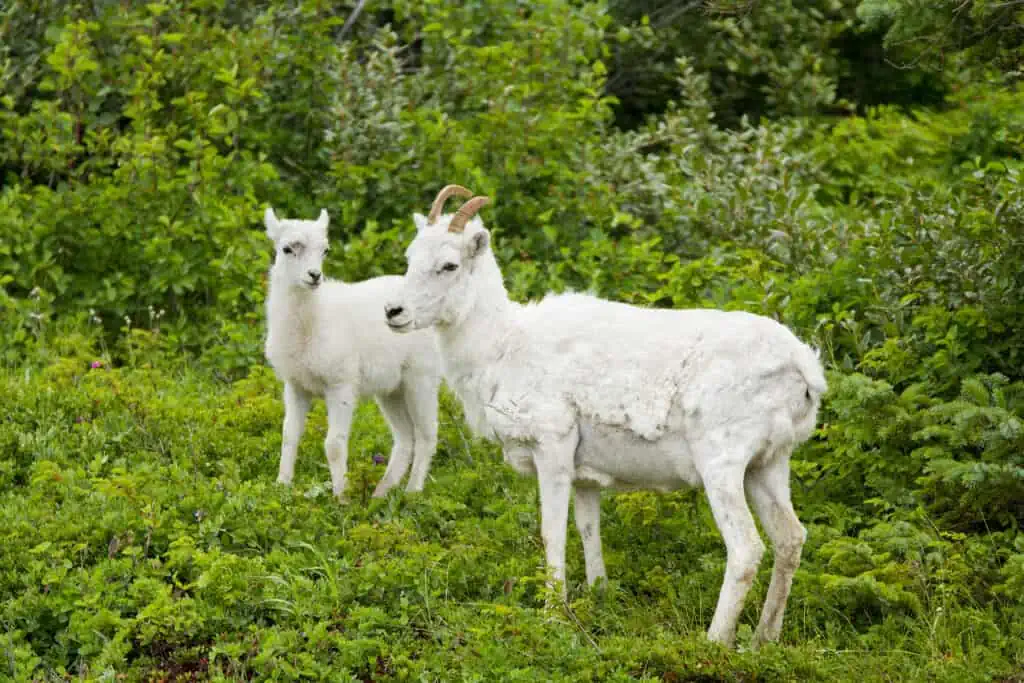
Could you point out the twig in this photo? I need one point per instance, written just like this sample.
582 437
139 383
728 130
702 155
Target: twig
351 19
586 634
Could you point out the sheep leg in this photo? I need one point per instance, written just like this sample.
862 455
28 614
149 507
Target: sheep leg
554 520
341 402
588 523
421 402
296 407
744 548
554 474
768 489
398 419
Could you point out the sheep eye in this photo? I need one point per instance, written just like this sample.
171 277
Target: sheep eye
449 267
326 249
288 250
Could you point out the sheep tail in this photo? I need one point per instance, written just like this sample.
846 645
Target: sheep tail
808 362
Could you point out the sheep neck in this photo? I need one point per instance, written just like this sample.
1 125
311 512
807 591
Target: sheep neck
481 336
290 306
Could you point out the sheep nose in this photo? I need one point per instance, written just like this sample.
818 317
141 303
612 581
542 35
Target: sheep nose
314 275
393 311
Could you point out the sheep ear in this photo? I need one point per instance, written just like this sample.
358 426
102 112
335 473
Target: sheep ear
420 220
323 220
273 225
478 243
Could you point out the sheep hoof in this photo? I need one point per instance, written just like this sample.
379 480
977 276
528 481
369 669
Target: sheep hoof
721 638
556 602
556 594
284 481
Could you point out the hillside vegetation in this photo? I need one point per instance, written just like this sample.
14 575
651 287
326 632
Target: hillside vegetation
852 169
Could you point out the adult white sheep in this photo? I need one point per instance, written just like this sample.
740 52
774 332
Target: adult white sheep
587 393
329 338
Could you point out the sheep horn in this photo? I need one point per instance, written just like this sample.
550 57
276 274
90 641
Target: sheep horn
465 212
442 196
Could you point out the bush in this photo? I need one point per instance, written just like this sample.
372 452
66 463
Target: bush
140 146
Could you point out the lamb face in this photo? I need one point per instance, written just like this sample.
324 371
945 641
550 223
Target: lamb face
300 248
439 285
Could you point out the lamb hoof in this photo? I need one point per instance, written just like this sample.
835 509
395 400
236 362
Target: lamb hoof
762 638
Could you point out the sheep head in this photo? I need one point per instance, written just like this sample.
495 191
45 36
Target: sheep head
300 249
441 280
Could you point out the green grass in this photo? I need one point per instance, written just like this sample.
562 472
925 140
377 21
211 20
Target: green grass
144 535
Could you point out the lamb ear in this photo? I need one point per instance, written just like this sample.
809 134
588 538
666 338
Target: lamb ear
478 243
323 220
420 220
273 225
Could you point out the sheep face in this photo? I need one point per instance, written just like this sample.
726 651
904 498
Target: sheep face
438 288
300 249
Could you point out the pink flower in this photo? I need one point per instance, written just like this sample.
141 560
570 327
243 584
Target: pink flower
96 364
378 459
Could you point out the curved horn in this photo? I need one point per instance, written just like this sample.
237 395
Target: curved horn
467 211
442 196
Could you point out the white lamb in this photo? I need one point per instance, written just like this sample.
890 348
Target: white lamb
586 393
329 338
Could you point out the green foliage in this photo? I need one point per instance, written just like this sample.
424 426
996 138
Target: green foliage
763 59
141 530
145 537
980 35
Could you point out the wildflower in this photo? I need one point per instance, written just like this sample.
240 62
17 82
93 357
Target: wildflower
378 459
96 364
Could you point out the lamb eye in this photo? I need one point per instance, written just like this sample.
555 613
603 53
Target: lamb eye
449 267
288 250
